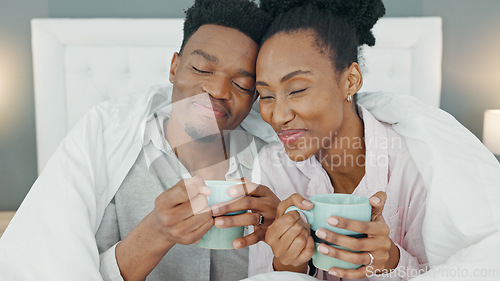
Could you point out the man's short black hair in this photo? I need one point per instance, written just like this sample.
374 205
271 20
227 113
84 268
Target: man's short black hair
243 15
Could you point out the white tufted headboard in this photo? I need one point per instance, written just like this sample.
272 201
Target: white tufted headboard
80 62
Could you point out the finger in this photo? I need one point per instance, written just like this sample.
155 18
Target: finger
280 227
182 230
358 273
355 244
197 232
238 204
348 256
181 192
288 239
299 244
199 204
196 185
366 227
237 220
294 200
378 202
250 239
247 188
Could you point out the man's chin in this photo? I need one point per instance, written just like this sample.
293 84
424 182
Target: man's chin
202 136
207 139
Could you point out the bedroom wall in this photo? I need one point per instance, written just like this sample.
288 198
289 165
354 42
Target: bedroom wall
471 72
17 112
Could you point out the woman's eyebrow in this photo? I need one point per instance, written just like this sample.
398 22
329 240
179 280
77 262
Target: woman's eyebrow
286 77
293 74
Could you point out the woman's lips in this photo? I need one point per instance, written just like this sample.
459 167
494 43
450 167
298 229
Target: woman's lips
210 111
290 136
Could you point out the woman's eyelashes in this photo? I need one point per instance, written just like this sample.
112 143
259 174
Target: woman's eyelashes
263 97
298 91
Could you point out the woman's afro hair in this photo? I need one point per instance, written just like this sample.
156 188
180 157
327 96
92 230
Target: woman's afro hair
243 15
362 14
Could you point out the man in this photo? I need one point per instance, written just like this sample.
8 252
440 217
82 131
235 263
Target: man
131 172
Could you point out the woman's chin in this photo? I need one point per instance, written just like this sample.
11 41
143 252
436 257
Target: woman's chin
298 155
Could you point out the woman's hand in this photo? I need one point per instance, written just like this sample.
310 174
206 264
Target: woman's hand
289 236
262 203
385 253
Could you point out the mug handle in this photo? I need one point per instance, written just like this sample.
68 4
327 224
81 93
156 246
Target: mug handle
308 213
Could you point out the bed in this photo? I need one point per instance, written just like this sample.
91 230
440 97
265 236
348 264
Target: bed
80 62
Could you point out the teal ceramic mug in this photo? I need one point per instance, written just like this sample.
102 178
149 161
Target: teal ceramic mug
221 238
347 206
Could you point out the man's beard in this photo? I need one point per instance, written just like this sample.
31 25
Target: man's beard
199 135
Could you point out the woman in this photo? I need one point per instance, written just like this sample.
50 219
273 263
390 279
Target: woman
307 79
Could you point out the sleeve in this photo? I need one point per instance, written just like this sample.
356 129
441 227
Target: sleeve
108 265
107 237
406 230
261 255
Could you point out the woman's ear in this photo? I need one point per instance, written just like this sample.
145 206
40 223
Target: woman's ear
173 66
354 79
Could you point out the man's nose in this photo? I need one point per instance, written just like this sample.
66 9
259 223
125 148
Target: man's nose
219 87
282 113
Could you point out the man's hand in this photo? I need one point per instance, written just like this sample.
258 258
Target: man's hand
249 196
181 215
289 236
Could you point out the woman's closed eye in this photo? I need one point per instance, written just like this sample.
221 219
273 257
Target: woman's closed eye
263 97
298 91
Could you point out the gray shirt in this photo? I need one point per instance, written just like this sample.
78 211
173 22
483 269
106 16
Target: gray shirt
155 170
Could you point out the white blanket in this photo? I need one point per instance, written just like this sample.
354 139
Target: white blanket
52 235
462 223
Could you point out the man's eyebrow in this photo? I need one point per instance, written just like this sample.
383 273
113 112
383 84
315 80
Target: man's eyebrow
212 59
294 73
246 73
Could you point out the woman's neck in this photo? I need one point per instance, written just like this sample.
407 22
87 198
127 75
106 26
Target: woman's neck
344 161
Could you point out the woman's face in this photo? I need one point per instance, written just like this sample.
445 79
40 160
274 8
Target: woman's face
301 95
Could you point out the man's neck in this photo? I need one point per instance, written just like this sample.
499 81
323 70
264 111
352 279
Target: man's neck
206 159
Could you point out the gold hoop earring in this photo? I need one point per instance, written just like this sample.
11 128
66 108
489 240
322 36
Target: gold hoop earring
349 98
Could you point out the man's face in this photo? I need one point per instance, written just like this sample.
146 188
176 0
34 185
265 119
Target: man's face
213 80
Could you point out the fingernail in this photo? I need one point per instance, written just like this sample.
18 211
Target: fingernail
237 244
206 191
219 222
375 200
333 221
332 272
321 233
307 203
232 192
215 210
323 249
